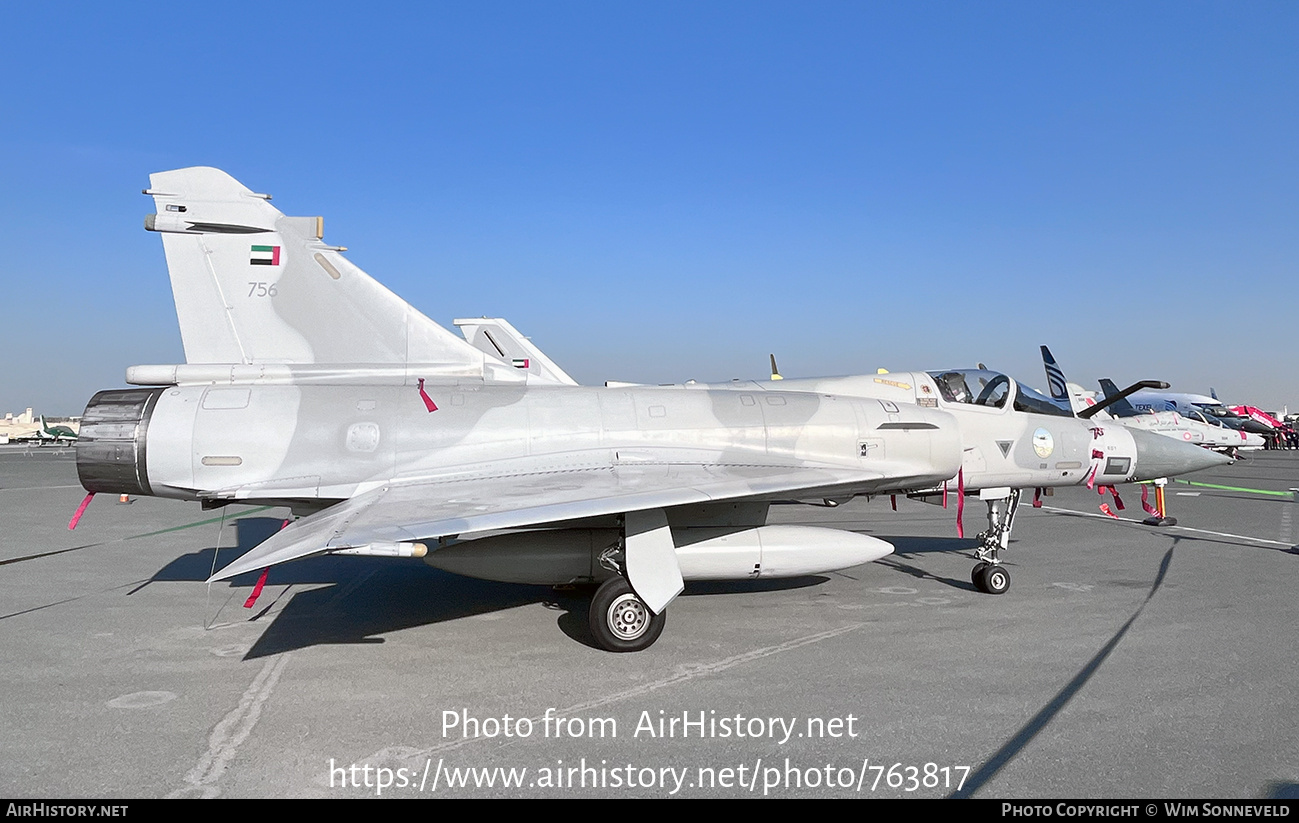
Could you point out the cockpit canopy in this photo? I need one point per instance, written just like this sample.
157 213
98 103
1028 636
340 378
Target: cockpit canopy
1217 410
982 387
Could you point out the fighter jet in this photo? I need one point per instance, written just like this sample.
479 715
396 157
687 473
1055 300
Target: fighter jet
1194 405
1249 413
1258 415
308 384
1193 428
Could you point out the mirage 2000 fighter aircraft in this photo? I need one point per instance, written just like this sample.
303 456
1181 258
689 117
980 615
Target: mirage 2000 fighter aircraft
308 384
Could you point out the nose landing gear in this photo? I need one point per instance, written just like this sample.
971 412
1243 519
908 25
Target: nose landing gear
989 575
990 578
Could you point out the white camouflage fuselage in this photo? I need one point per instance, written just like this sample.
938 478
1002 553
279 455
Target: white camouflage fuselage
331 442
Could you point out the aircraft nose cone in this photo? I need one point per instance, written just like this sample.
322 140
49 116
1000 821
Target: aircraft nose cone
1162 456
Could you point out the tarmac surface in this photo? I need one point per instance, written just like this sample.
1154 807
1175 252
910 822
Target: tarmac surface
1125 661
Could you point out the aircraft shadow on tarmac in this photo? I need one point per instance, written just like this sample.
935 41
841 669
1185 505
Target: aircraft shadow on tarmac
903 546
371 597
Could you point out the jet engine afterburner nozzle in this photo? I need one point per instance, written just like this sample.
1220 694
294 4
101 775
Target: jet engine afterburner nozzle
111 445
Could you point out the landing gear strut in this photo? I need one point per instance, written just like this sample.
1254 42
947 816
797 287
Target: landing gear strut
989 575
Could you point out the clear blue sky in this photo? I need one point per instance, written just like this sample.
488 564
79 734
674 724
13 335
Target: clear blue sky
662 191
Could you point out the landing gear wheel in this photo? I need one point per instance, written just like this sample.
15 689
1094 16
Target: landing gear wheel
620 621
978 570
992 579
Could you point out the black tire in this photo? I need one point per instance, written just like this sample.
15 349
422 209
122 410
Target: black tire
993 579
975 572
620 621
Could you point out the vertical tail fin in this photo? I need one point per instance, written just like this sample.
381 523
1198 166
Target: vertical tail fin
1054 376
1119 408
254 286
1064 393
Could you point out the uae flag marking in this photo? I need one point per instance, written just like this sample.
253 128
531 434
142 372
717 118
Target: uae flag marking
265 256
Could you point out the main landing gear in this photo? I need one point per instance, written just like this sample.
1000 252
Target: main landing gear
620 621
989 575
627 619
